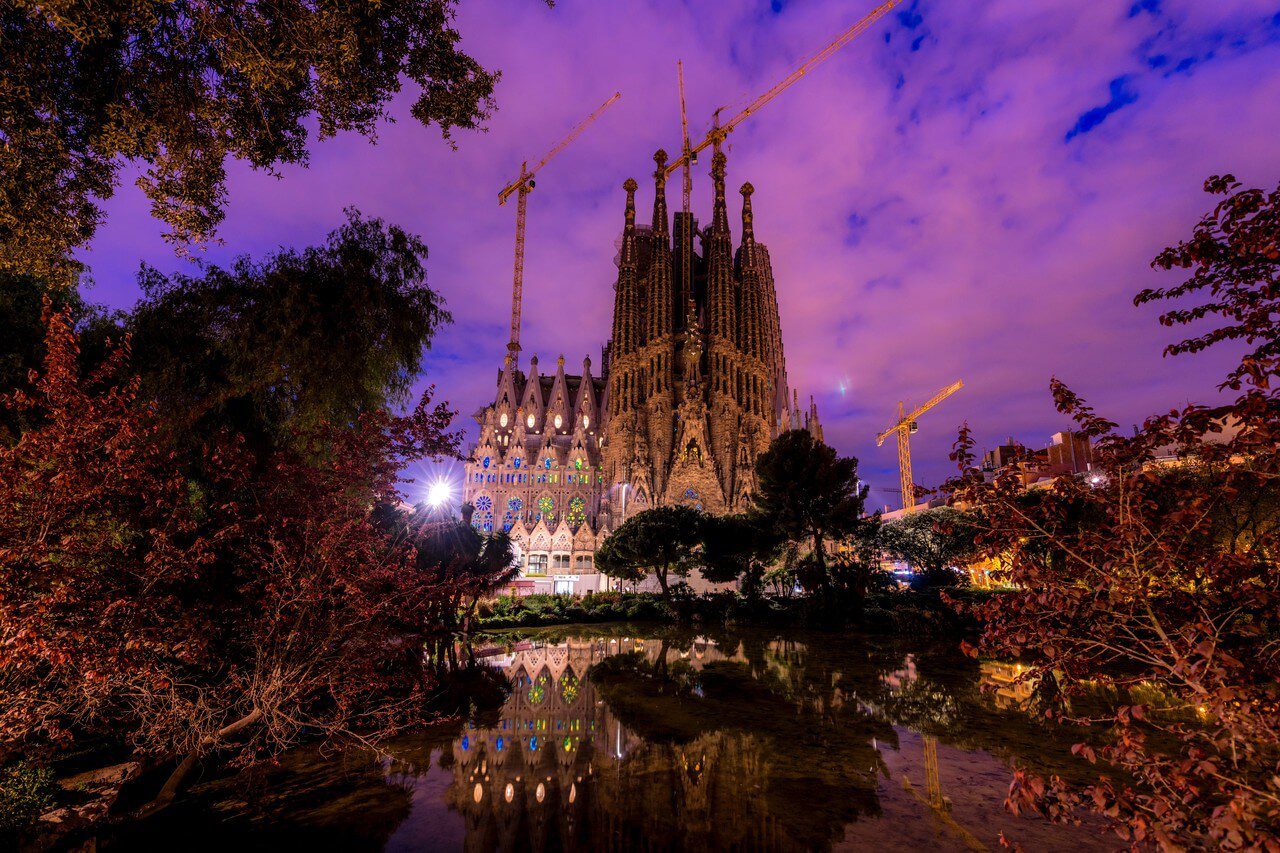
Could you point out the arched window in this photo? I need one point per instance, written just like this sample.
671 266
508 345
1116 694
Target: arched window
485 463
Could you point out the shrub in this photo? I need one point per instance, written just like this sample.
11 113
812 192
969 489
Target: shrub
26 792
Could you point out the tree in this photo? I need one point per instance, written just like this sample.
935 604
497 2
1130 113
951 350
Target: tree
811 495
1141 575
665 541
273 348
183 617
935 542
179 86
465 564
739 547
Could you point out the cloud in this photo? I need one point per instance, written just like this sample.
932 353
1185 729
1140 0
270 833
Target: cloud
925 218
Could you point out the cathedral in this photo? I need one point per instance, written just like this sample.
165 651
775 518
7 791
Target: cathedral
691 388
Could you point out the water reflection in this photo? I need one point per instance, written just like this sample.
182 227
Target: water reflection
612 741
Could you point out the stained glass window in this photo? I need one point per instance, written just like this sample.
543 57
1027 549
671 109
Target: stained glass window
517 462
485 462
547 507
484 503
577 512
515 505
547 462
577 463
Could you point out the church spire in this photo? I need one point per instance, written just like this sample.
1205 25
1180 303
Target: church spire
748 226
660 297
628 257
719 253
660 192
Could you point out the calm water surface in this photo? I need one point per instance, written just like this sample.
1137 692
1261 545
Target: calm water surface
622 738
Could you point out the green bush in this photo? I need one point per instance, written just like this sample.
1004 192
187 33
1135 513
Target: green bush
26 792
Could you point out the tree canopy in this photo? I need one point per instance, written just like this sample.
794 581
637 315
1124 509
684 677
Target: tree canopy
932 541
665 541
811 494
179 86
300 338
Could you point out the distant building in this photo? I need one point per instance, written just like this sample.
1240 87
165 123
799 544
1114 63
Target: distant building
692 388
1068 453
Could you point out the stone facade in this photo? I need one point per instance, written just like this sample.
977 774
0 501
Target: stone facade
692 388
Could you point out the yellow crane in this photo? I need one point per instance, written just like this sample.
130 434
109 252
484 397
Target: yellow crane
902 429
718 132
521 187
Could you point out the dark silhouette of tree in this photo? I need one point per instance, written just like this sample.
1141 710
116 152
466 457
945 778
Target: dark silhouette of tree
180 86
665 541
739 548
273 348
1162 569
812 495
935 542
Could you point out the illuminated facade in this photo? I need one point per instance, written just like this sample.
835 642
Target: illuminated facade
691 390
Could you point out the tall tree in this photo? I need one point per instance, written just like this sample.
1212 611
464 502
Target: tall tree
935 542
812 495
665 541
178 86
275 347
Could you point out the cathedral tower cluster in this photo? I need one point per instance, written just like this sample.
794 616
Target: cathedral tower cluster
693 387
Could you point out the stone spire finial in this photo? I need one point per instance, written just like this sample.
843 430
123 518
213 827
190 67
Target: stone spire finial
660 192
628 257
748 225
720 216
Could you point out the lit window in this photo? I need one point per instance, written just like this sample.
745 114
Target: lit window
502 419
559 421
485 463
517 462
577 463
546 462
530 421
586 421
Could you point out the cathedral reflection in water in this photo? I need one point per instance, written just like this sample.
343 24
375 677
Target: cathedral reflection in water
561 770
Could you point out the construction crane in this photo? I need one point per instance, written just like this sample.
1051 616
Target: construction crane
718 132
521 187
902 429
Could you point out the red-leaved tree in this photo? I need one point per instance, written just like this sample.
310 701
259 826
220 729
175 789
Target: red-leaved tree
189 615
1157 574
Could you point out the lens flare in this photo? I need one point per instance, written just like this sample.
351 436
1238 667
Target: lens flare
438 493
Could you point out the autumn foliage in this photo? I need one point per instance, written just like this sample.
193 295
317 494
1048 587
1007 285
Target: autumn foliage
1157 575
189 607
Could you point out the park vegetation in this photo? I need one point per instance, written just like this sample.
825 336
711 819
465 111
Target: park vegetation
1160 570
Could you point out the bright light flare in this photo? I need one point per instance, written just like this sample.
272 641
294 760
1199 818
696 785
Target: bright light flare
438 493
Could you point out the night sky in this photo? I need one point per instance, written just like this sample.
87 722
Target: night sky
971 190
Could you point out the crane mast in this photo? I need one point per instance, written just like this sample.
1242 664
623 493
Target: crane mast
902 429
521 187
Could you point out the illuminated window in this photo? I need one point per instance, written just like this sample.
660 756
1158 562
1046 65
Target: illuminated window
515 505
484 503
577 463
577 511
547 507
485 462
502 419
529 421
547 462
586 421
559 421
517 461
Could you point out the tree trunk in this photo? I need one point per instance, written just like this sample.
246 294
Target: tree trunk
174 782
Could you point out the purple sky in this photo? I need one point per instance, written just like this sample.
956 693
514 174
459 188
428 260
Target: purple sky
970 190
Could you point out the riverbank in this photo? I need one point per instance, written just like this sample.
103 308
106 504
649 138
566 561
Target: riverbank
898 611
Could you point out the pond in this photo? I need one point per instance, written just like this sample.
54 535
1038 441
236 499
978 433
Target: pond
623 737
